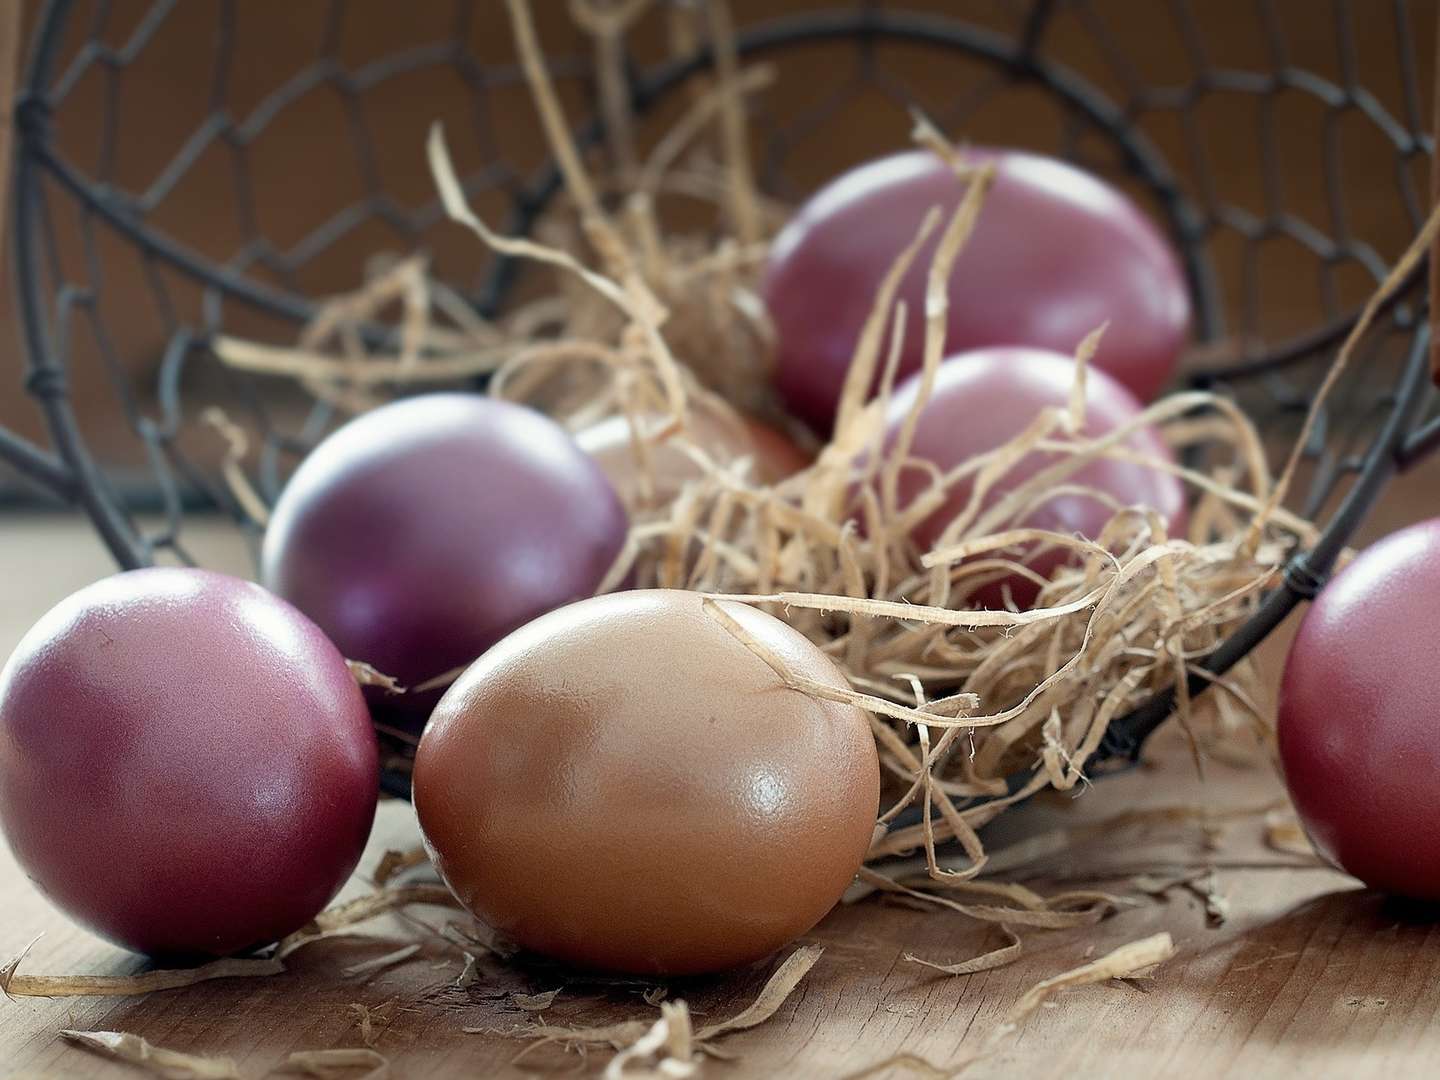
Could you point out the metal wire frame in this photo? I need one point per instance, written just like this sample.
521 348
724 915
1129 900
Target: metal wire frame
1390 429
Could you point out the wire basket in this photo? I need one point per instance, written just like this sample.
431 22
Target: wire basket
1283 144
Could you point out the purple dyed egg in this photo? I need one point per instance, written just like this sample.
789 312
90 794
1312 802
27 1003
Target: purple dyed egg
1359 708
1055 253
186 764
983 399
421 533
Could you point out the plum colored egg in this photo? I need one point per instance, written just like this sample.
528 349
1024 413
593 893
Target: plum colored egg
983 399
623 785
1056 252
421 533
773 456
1358 711
186 764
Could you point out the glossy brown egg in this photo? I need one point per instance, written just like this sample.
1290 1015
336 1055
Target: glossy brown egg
623 785
610 442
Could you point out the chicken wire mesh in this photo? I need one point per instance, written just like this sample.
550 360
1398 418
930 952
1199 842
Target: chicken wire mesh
187 169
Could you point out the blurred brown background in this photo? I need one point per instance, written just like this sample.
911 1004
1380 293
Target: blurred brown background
243 130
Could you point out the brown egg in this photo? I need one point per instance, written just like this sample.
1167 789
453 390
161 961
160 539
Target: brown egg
622 784
773 455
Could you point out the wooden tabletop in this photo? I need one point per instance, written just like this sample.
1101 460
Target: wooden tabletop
1306 975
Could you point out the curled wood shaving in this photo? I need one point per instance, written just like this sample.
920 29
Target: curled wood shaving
237 447
1006 954
1217 904
701 112
311 365
171 1064
628 1033
14 984
779 987
669 1040
379 963
1126 962
607 24
745 209
364 1019
617 1036
535 1002
397 862
366 675
1283 833
339 1062
1395 280
363 908
469 972
476 935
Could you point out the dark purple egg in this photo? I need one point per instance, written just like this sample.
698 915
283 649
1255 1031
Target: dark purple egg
421 533
186 764
1359 711
982 400
1056 252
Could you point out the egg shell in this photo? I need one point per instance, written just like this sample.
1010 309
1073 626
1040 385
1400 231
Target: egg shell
419 534
187 766
623 785
983 399
1359 708
1055 253
610 442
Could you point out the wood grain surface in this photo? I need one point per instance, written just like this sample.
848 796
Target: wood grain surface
1309 975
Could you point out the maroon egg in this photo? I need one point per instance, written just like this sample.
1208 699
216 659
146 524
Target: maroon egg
186 764
982 400
421 533
1056 252
1359 712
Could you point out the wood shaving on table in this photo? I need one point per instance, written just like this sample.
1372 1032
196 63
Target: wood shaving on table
13 984
469 972
365 1020
535 1002
779 987
340 1063
1126 962
1006 954
170 1064
669 1041
380 963
673 1029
